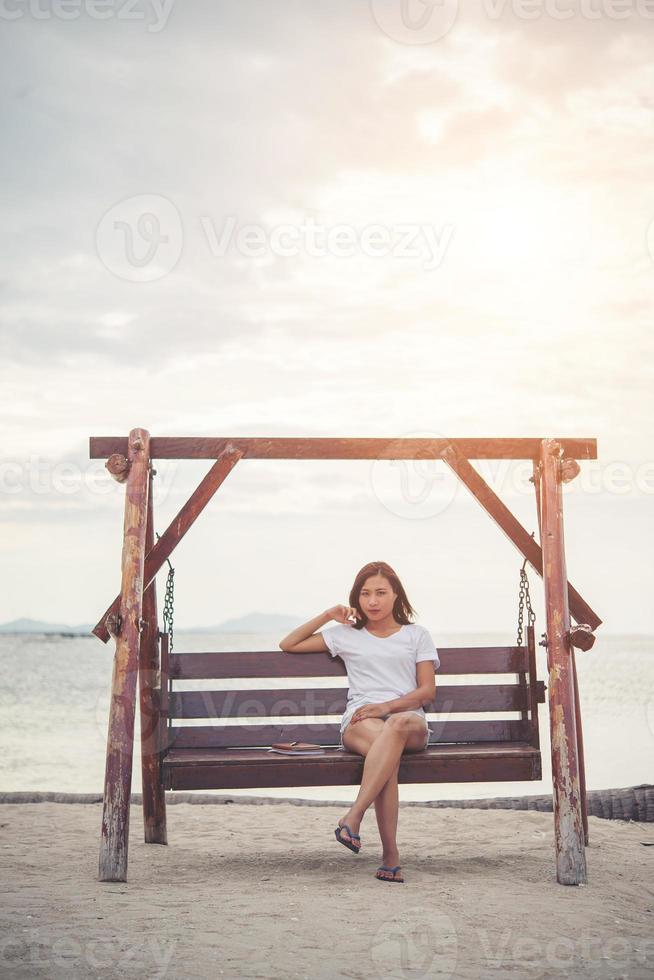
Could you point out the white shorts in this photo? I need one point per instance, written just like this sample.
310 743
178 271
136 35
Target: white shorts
347 718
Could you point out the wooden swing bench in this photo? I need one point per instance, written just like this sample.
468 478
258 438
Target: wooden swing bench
226 753
236 756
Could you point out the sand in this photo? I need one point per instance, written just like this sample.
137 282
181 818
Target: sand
266 891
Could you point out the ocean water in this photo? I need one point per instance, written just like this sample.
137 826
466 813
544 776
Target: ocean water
54 703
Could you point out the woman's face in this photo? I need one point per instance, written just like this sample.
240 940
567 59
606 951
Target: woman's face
377 598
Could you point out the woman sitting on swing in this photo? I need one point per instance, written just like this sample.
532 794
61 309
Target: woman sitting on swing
390 664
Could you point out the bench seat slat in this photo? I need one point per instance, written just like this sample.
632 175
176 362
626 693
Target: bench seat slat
254 756
256 768
224 736
276 663
332 700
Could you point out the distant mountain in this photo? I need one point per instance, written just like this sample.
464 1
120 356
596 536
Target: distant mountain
254 622
251 623
38 626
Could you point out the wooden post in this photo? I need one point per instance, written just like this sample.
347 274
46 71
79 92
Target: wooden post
568 826
120 738
580 749
578 725
569 470
154 798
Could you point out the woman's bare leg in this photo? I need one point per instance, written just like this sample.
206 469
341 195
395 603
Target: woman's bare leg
401 730
387 805
358 739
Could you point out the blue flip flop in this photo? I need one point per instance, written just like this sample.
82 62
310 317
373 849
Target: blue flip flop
392 871
348 843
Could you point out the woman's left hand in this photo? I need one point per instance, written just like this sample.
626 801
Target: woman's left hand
369 711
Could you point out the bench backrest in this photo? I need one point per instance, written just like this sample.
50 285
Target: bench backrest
463 696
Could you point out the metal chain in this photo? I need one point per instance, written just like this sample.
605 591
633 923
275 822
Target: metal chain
524 601
169 605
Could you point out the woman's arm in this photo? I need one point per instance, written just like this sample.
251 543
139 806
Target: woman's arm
304 639
424 693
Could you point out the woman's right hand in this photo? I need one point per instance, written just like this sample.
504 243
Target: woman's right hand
343 614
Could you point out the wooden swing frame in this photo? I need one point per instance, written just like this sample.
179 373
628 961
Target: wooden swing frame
132 618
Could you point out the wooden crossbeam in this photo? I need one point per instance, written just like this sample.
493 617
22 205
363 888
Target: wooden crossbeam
192 447
178 527
512 527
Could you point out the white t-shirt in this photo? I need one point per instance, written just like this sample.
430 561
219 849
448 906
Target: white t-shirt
379 668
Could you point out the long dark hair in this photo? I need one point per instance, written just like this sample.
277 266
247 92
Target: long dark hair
402 608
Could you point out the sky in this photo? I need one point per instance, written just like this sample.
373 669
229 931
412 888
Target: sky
326 218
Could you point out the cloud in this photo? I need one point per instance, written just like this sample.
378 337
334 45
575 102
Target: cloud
530 140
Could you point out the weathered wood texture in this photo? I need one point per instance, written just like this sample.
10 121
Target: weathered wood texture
250 736
194 447
275 663
568 823
118 466
230 754
154 799
243 768
581 761
582 637
178 527
534 687
164 714
122 709
262 703
535 479
513 529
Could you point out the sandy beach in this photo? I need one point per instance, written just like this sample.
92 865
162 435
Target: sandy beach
266 891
